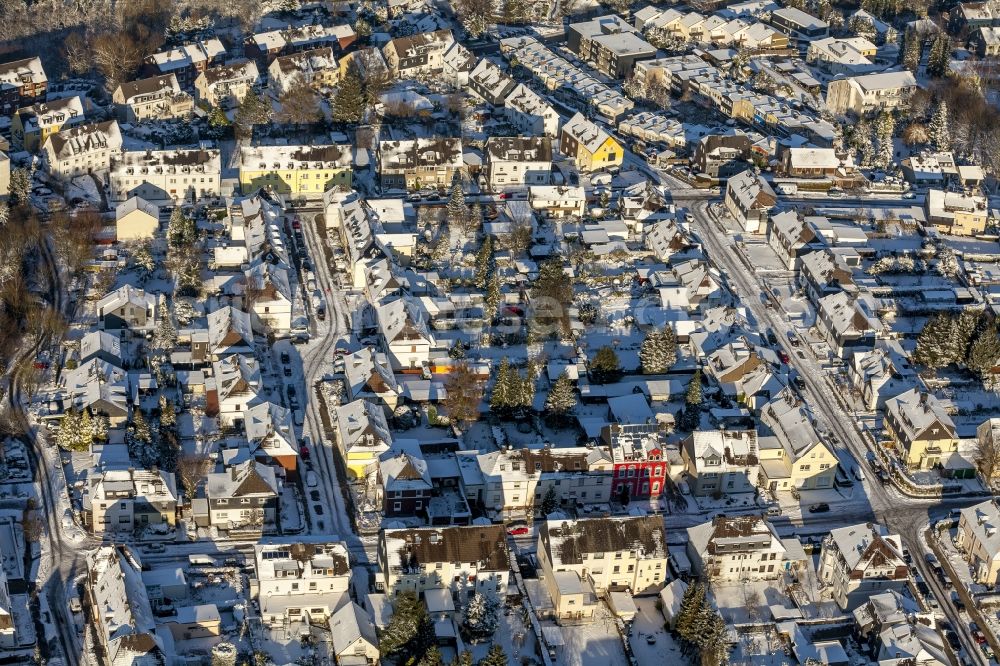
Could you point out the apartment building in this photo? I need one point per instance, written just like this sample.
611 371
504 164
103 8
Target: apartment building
610 44
418 55
641 462
530 114
518 161
32 125
154 98
122 500
798 24
870 94
741 548
917 425
243 497
300 172
413 164
490 83
226 85
22 82
316 68
721 462
300 581
464 560
842 55
82 149
792 454
585 559
749 198
187 61
166 175
859 561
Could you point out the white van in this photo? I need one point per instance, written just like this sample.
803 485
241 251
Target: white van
859 474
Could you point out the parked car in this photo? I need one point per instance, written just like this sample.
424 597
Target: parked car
923 588
311 479
772 339
822 507
285 358
784 357
304 452
793 339
519 531
952 639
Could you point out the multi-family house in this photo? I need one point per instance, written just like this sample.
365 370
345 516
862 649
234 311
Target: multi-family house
176 175
819 163
187 61
791 237
32 125
122 500
870 94
591 147
300 582
558 200
362 435
418 55
316 68
979 540
987 40
457 65
229 332
299 171
518 161
792 455
124 626
367 374
490 83
244 496
269 293
516 482
798 24
848 322
530 114
842 55
988 439
585 559
235 386
859 561
127 308
740 548
405 336
881 373
720 462
22 82
153 98
610 44
99 387
136 219
956 213
404 480
748 199
464 559
226 85
641 462
917 425
413 164
828 271
82 149
894 631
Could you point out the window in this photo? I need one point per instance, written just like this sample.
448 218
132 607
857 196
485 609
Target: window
397 506
805 468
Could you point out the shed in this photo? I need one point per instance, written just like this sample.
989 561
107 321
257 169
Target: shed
671 597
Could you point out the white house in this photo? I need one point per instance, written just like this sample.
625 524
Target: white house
176 175
518 161
82 149
530 114
301 581
861 560
741 548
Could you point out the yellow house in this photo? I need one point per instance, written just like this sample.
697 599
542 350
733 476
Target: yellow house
977 530
794 457
136 219
589 145
32 125
919 428
362 435
956 213
298 171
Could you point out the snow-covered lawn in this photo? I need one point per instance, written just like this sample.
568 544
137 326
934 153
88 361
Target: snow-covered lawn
648 623
594 644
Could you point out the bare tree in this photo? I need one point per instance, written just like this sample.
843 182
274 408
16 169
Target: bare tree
987 454
117 56
192 468
464 393
299 105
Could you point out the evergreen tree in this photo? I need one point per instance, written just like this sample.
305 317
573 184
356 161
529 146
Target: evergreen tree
912 48
432 657
495 657
658 351
690 610
605 368
693 397
484 261
457 350
525 393
475 217
940 127
562 397
690 417
482 615
940 56
551 295
349 102
458 212
254 110
68 437
181 230
550 502
101 427
140 428
168 417
19 187
984 353
86 429
884 129
502 397
142 260
409 631
463 659
494 295
165 336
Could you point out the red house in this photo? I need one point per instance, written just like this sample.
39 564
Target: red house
640 462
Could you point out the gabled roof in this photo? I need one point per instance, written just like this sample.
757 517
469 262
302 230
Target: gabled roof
350 624
589 135
248 479
568 541
229 328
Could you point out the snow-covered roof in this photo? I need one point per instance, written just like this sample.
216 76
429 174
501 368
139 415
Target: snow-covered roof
568 542
350 624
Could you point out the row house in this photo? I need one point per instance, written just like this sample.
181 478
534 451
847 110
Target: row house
829 271
418 55
527 111
121 616
154 98
404 334
732 549
304 581
463 560
363 435
166 176
881 373
414 164
243 497
721 462
226 85
269 290
792 455
515 482
404 480
316 69
82 149
22 82
920 429
518 161
123 500
587 559
265 47
230 332
490 83
186 62
590 146
640 459
860 561
271 437
235 386
791 237
368 375
32 125
301 172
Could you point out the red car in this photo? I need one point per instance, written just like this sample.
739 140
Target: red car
304 452
784 357
503 195
518 531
